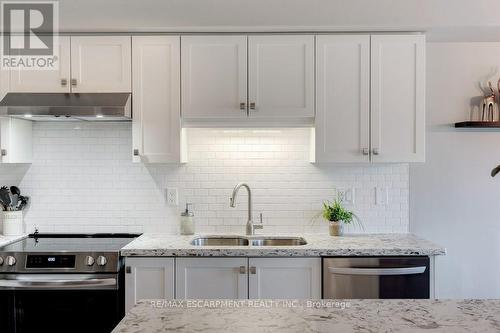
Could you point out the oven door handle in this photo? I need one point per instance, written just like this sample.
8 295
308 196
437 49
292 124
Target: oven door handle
45 282
377 271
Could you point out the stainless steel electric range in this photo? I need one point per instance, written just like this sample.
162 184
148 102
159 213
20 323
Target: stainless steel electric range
62 283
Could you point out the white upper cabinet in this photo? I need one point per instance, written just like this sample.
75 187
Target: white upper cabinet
281 76
343 98
156 98
87 64
214 77
370 98
16 140
398 98
211 278
285 278
45 81
148 278
101 64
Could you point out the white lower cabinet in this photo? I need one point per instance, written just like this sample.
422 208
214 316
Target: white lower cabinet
284 278
221 278
148 278
210 278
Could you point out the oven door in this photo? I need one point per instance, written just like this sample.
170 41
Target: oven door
59 303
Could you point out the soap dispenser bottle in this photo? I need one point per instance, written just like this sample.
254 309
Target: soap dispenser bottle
187 221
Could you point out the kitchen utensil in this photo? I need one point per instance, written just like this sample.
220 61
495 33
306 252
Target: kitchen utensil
15 194
5 197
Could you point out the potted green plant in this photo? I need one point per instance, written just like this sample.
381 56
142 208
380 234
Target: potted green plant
337 215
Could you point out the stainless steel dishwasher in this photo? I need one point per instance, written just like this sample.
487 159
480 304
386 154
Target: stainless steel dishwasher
376 277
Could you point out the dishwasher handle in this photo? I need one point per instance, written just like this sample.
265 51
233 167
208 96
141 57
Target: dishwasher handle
377 271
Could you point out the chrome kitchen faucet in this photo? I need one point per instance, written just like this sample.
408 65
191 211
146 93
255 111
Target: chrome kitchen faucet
250 225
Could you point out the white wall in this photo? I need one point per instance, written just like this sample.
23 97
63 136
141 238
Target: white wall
409 15
454 201
82 180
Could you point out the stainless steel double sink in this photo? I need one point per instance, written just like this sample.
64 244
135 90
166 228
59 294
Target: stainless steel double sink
250 241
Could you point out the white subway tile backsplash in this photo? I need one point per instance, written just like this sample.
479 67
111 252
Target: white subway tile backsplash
82 180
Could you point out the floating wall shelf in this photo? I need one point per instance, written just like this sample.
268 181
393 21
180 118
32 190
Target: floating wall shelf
478 124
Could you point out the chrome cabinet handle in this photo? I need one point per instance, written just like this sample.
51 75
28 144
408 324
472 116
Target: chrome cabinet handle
74 82
64 82
377 271
375 151
252 106
366 151
243 106
253 270
243 269
3 152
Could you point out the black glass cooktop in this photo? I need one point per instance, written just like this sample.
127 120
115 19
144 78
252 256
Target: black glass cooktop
70 243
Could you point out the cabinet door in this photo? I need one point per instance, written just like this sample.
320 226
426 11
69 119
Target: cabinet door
16 140
398 98
156 102
45 81
214 77
148 278
211 278
101 64
281 76
285 278
343 98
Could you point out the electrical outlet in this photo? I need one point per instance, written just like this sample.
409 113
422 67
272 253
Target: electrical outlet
381 196
172 196
345 195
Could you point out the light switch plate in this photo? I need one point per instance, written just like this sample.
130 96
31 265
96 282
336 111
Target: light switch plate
345 195
172 196
381 196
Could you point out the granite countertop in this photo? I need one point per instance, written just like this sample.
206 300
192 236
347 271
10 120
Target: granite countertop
317 245
454 316
6 240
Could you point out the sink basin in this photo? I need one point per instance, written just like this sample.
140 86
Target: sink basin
243 241
219 241
290 241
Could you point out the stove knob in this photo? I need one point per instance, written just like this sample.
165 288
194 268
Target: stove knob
1 261
89 260
11 261
101 260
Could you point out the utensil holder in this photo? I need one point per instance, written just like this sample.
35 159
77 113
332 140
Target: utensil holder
13 223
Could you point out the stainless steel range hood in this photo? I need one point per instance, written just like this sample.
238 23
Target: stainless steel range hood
64 107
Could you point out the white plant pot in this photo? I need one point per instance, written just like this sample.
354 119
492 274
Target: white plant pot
13 223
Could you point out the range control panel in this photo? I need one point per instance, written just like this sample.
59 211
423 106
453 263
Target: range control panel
50 261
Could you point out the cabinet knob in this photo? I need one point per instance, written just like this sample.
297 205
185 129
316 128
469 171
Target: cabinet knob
252 106
375 151
136 152
243 106
253 270
366 151
128 270
74 82
64 82
3 152
243 269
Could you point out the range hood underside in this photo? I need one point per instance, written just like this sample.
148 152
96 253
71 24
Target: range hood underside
67 107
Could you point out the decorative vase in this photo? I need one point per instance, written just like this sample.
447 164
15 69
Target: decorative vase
336 228
13 223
